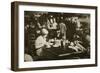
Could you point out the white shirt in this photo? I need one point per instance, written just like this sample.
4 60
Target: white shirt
40 42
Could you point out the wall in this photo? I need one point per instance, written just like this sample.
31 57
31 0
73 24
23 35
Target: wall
5 36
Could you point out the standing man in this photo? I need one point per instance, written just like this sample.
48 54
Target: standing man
63 30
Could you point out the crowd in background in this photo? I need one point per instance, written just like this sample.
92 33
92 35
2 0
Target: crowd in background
64 30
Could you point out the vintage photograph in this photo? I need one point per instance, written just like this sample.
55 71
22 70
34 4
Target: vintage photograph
52 36
56 36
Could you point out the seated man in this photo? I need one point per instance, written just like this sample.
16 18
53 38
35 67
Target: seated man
40 43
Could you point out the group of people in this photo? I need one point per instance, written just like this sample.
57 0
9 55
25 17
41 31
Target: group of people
65 33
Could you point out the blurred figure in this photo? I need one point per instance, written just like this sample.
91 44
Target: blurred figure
52 24
71 29
63 30
77 46
28 57
52 27
40 43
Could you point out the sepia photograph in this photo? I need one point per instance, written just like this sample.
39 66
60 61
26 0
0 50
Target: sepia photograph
56 36
52 36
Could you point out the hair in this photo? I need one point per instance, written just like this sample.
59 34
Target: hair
44 31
